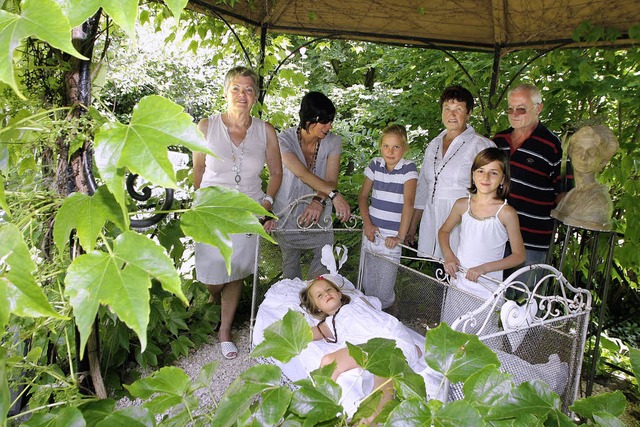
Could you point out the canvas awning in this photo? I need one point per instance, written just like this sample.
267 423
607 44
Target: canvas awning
480 25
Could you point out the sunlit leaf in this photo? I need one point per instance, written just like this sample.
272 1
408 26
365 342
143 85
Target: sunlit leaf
176 6
123 12
141 146
603 419
86 214
42 19
121 280
285 338
168 380
455 354
19 292
216 213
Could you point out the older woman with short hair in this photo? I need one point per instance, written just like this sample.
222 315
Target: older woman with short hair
242 144
444 175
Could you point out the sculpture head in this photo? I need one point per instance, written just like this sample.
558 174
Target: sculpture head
591 148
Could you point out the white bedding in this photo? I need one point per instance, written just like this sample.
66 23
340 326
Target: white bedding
357 383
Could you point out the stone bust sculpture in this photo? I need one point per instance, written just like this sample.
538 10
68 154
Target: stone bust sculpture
588 205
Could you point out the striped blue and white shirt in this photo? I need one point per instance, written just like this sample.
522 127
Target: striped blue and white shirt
387 195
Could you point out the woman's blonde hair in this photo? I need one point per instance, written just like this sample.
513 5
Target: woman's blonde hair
243 72
398 130
307 302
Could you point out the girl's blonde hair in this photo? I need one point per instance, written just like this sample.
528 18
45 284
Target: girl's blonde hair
398 130
307 302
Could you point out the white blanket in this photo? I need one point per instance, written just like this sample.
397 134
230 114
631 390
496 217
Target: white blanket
357 383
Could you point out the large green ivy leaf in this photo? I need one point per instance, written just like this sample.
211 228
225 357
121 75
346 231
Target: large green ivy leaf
285 338
176 6
216 213
613 403
120 279
412 412
68 417
484 387
133 416
458 413
529 398
42 19
123 12
634 357
273 406
19 292
242 392
141 146
455 354
168 386
317 401
87 214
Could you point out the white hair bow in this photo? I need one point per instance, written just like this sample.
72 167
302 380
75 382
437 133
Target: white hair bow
332 254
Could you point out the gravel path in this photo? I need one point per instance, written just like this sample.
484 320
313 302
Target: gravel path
227 370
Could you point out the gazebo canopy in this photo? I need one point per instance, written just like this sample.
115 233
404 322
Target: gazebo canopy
480 25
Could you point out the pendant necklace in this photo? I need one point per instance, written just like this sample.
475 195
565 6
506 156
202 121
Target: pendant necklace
436 172
312 166
237 166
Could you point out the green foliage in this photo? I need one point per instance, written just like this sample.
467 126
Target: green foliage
38 18
129 284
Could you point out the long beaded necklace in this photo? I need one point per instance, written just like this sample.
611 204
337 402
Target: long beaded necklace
436 172
237 166
312 166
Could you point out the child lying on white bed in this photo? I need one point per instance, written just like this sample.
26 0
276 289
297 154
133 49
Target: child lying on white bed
357 321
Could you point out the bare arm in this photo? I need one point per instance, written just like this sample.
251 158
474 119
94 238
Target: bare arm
451 262
410 237
363 203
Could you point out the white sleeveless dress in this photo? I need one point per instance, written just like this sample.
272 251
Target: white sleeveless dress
210 266
482 240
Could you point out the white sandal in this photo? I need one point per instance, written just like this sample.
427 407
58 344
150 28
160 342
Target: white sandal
228 350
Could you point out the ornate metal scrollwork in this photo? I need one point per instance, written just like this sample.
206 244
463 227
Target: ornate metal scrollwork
131 189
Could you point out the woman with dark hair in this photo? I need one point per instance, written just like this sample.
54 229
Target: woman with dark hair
311 156
444 175
242 144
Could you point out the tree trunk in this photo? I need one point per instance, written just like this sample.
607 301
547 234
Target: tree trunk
70 175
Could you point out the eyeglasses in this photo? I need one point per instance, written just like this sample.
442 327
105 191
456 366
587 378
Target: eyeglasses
519 111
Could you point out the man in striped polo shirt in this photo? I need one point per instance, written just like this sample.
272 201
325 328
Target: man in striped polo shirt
537 184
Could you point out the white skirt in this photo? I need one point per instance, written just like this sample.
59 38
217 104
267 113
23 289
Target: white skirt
210 266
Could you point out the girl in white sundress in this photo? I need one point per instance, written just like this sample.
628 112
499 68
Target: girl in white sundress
486 223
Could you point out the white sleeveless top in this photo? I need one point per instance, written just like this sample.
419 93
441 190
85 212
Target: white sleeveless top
250 157
482 240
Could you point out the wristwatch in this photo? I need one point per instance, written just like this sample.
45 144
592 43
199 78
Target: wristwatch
333 194
268 198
